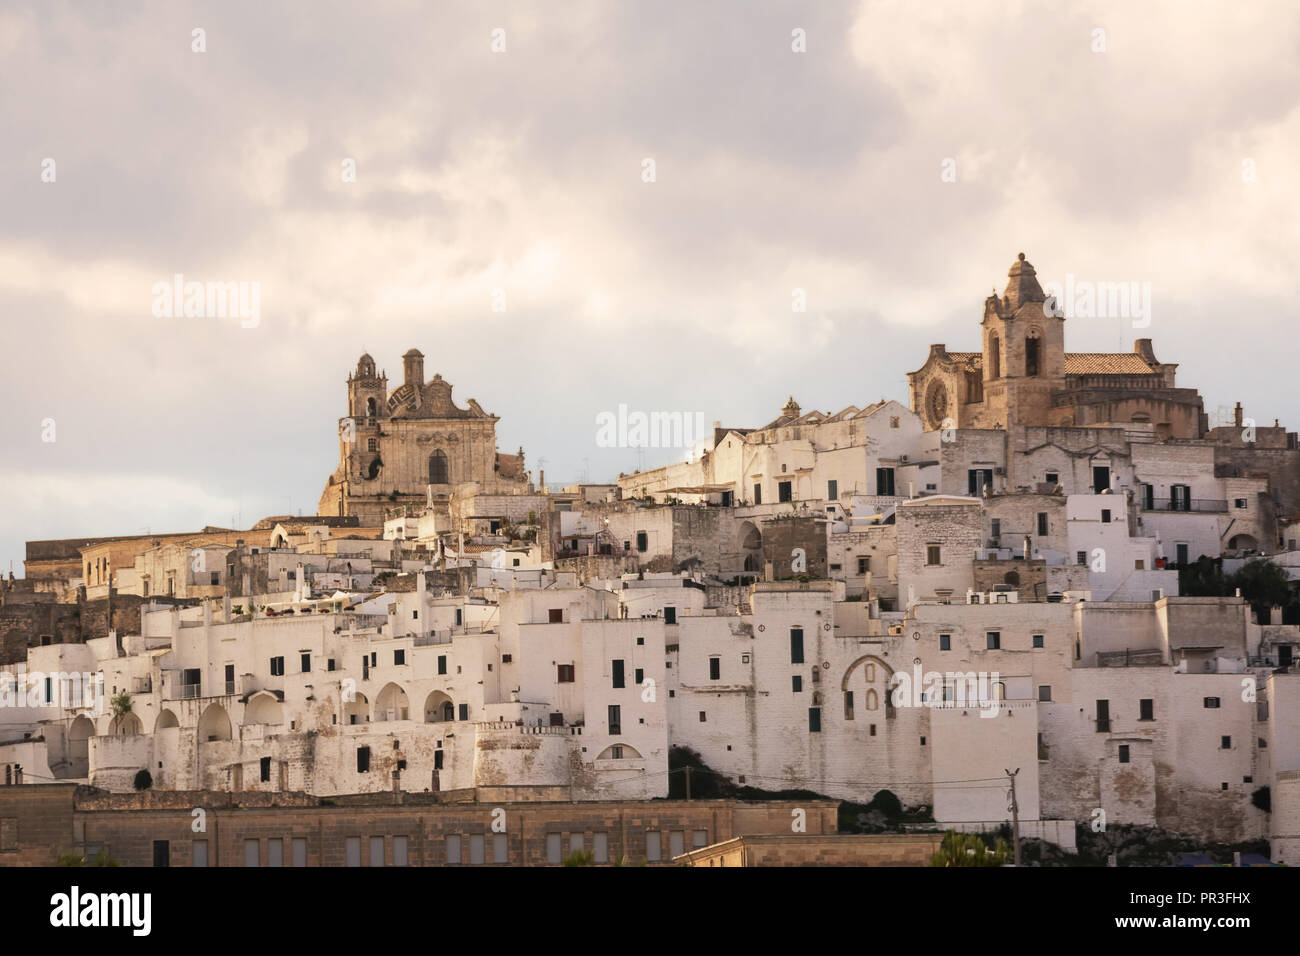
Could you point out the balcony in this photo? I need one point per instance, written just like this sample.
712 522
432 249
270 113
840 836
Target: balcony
1202 505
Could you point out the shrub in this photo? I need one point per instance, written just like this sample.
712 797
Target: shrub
143 780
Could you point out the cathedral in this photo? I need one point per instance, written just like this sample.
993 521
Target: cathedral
1023 375
412 445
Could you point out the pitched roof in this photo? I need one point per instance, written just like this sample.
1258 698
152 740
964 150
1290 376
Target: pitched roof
1106 363
1076 363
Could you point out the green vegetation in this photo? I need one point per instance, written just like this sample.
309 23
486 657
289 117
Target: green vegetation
970 849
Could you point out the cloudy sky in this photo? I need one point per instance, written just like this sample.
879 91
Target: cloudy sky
1155 142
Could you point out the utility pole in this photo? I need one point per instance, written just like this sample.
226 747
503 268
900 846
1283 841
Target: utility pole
1015 814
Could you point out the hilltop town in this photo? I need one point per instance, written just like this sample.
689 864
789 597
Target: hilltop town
1033 565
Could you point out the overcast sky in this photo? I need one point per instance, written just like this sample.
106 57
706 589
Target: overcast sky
1162 150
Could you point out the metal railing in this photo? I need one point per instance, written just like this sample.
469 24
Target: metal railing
1203 505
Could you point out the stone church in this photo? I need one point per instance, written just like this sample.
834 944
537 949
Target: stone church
412 445
1023 376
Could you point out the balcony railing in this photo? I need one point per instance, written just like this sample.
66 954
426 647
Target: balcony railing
1203 505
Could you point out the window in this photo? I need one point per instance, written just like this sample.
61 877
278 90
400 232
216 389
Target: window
438 468
1053 478
1042 523
161 853
442 663
1103 716
848 705
945 642
885 481
399 656
993 640
783 491
814 720
1123 753
555 615
1031 355
1181 552
1239 502
796 645
796 684
715 668
617 667
1146 709
1045 693
564 673
252 853
454 851
372 444
462 712
864 565
616 752
653 846
500 848
477 849
275 852
266 769
1038 640
1180 498
642 541
931 554
615 719
363 760
758 499
640 676
400 856
704 717
305 660
277 666
1211 703
300 851
670 615
699 838
600 847
976 479
1225 743
1081 557
199 849
1105 516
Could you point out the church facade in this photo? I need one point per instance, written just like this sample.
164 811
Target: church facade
412 445
1022 375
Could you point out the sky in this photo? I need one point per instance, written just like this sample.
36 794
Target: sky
568 208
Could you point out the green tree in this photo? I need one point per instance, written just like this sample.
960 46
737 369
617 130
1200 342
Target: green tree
1263 585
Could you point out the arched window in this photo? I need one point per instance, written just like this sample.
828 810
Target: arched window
373 471
370 408
438 474
1031 352
995 357
873 700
